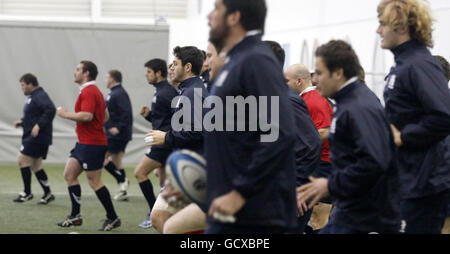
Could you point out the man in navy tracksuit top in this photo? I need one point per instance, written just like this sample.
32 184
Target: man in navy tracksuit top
251 174
37 123
308 148
418 107
189 134
160 116
308 145
118 130
364 181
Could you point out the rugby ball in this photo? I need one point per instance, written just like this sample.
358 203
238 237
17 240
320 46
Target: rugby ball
186 171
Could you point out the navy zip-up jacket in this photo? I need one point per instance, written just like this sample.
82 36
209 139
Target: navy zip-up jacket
418 104
191 90
39 109
308 145
161 111
263 173
120 114
364 183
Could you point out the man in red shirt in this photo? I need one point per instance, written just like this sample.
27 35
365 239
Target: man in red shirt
321 112
89 152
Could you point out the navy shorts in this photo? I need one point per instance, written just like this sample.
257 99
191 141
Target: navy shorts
425 215
35 151
116 146
90 157
159 153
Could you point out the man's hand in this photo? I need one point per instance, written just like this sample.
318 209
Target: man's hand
228 204
18 124
302 207
114 131
145 111
35 131
174 198
159 138
61 112
397 136
316 190
169 191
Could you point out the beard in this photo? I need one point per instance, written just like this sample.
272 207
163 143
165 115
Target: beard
218 36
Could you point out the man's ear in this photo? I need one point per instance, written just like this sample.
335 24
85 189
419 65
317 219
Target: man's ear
403 30
338 74
234 18
188 68
299 81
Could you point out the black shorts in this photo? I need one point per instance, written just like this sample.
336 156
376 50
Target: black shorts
116 146
90 157
159 153
35 151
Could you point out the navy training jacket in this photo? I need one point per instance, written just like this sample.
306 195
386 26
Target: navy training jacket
364 182
39 109
418 104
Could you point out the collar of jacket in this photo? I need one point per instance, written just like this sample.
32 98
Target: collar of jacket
407 46
161 84
36 90
251 38
116 86
188 83
339 95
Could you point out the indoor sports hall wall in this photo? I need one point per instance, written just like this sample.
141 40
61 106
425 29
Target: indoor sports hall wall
51 51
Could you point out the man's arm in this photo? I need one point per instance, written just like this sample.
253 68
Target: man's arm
433 93
324 134
106 116
77 117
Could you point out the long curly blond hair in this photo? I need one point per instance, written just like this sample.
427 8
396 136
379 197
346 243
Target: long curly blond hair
415 14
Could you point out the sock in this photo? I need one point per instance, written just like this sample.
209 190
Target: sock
43 180
26 177
147 190
75 197
118 174
105 199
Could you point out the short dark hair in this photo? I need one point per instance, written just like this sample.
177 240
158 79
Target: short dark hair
29 79
204 55
157 65
253 12
91 68
445 65
116 75
278 51
190 55
338 54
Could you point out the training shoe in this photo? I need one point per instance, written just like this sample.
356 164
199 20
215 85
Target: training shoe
122 193
121 196
46 199
147 223
71 221
23 197
124 186
109 225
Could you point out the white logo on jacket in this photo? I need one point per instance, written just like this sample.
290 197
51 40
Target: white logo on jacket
29 100
221 79
333 126
391 81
